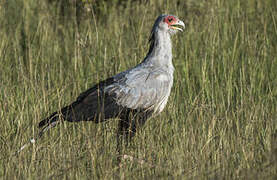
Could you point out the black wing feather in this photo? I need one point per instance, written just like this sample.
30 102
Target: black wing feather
88 106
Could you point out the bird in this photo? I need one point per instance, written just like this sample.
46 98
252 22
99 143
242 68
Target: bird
132 96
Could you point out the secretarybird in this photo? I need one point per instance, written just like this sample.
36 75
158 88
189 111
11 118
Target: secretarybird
131 96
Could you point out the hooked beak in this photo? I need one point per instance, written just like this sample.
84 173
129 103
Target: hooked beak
177 25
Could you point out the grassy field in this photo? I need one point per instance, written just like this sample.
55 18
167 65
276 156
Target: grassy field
220 122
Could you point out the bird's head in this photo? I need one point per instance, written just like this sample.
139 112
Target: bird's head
169 23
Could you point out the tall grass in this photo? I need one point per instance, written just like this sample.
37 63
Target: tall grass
220 121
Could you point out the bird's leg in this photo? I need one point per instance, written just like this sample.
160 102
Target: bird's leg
127 129
122 140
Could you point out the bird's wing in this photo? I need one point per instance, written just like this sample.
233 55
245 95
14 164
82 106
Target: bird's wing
142 88
94 103
88 106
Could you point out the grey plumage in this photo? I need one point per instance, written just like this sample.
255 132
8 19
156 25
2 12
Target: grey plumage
133 95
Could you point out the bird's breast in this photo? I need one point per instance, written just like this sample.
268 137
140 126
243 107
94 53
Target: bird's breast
164 98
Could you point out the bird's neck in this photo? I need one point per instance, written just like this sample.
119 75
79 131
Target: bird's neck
160 52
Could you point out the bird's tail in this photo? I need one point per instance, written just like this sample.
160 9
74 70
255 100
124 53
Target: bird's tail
48 123
66 113
45 125
49 120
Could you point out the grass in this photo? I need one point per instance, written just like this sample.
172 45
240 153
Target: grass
220 122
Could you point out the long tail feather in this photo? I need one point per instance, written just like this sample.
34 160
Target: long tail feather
54 117
32 141
52 124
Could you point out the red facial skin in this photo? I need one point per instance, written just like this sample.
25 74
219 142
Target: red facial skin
170 20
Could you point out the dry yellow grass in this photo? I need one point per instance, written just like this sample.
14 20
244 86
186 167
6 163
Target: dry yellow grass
220 122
